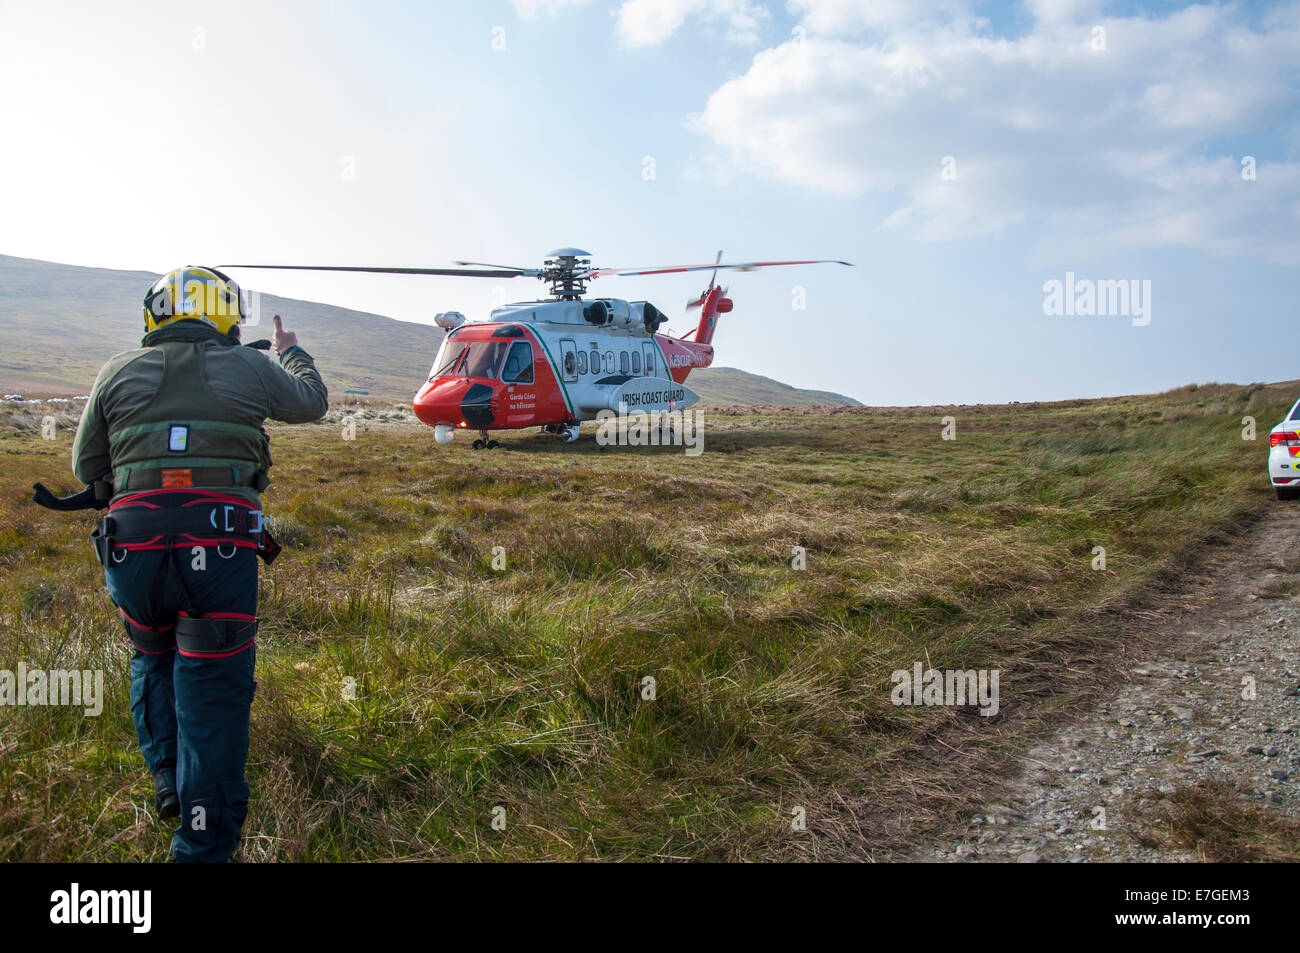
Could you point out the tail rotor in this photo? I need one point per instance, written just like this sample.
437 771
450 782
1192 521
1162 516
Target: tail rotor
696 302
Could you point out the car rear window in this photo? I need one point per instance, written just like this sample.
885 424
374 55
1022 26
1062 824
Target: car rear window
1295 411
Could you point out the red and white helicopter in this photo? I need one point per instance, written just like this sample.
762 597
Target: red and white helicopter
555 363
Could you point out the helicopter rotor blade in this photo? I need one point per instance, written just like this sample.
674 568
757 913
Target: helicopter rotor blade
715 266
445 272
483 264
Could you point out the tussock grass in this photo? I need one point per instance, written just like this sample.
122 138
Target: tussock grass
526 688
1220 823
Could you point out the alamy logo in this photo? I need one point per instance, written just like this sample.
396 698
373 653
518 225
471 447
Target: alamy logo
74 906
84 689
1119 297
674 428
952 687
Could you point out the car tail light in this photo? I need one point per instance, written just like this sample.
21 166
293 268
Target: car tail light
1287 437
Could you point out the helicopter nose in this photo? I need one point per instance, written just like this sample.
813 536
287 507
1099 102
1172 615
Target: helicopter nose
455 401
438 402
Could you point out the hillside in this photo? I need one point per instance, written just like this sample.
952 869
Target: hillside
58 323
730 385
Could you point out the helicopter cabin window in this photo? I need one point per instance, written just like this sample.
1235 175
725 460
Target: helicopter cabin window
570 364
609 362
519 364
484 358
624 363
595 361
636 363
582 362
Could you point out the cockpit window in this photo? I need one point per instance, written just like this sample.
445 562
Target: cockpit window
484 358
519 364
449 356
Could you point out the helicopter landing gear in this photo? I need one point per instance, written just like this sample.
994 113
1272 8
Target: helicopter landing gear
569 432
484 443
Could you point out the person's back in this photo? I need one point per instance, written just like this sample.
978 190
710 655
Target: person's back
192 396
174 431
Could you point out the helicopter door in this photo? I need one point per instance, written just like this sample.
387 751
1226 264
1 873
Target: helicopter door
569 360
648 352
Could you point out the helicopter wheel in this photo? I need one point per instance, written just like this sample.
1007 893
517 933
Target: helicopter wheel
477 445
492 444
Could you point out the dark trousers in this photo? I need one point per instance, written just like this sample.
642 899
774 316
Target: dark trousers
191 711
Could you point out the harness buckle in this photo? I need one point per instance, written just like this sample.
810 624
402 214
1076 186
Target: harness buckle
240 520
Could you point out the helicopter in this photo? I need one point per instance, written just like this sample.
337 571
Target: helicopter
554 363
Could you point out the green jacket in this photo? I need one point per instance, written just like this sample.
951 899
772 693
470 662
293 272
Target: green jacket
192 397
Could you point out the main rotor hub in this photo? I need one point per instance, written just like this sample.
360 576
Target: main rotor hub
567 271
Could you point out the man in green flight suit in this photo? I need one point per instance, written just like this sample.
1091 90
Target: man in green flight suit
176 428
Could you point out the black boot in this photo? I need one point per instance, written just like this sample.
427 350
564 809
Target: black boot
165 798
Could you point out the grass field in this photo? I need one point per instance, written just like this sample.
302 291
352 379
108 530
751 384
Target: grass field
523 689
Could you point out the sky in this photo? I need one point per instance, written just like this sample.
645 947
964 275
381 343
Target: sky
963 155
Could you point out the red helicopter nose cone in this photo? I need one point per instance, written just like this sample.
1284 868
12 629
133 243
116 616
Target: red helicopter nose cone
438 402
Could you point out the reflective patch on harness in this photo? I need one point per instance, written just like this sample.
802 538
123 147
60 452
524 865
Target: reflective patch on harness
175 478
178 439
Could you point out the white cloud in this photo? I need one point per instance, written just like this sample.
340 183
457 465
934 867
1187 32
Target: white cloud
530 9
650 22
851 16
1063 11
1100 145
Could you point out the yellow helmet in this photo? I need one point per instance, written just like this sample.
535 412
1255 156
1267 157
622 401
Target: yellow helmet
194 293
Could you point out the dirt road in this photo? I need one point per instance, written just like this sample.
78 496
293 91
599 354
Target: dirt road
1216 709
